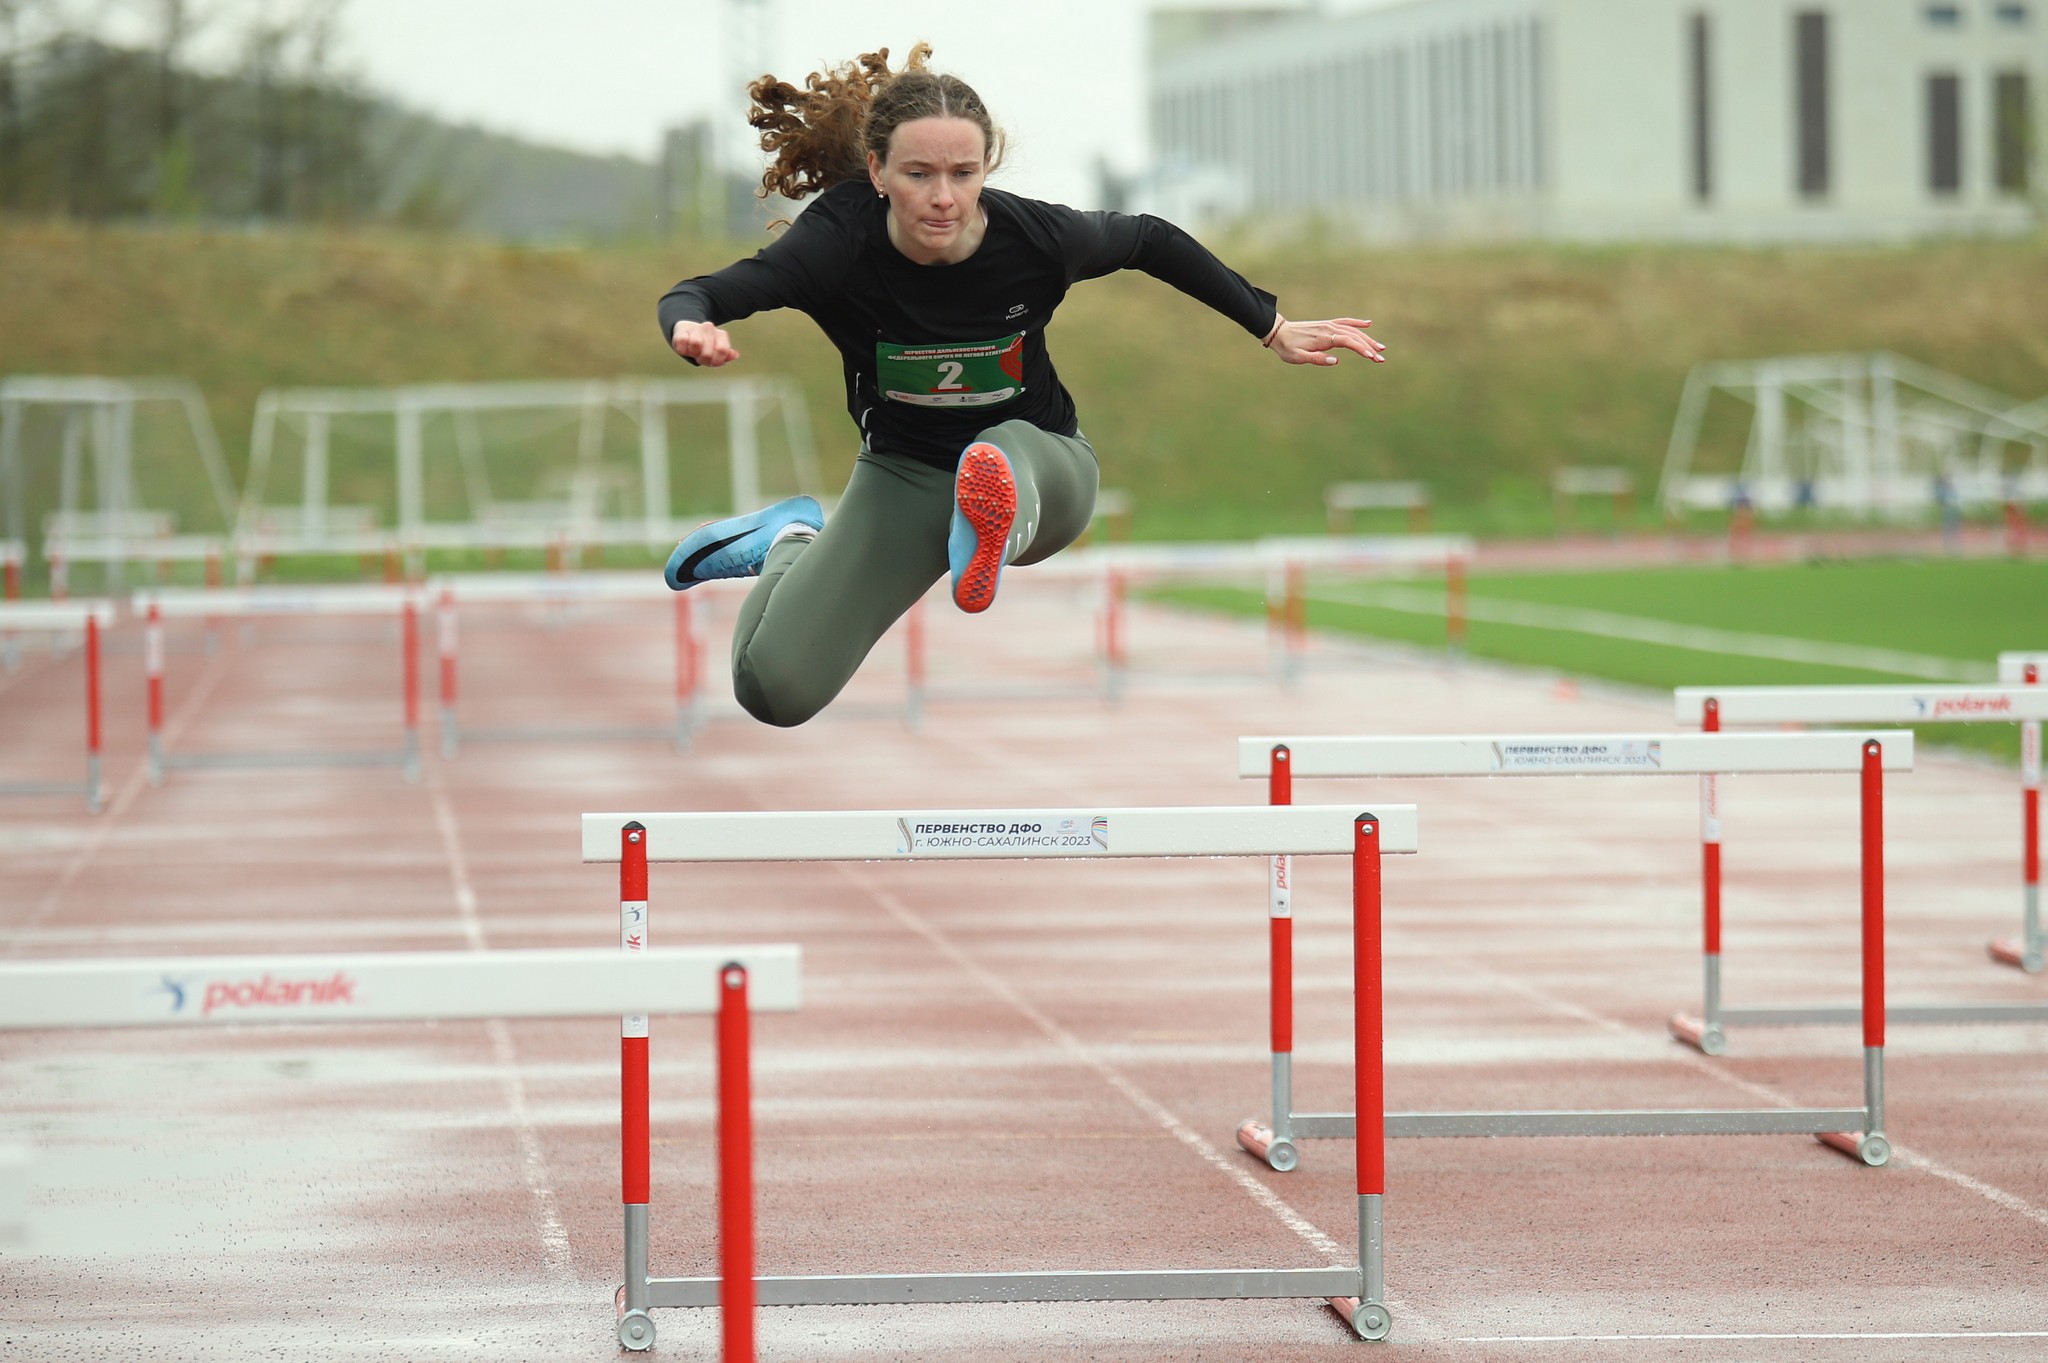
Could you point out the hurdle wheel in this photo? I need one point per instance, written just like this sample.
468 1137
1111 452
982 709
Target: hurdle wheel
1282 1156
1874 1150
636 1331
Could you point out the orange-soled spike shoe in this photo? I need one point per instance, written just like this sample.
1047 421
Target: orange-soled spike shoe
984 508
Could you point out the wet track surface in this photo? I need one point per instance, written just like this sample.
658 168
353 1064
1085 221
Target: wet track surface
999 1065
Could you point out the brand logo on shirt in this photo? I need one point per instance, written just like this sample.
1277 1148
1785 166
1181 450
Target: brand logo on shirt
1014 313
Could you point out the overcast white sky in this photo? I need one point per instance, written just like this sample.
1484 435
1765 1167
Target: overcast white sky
1064 77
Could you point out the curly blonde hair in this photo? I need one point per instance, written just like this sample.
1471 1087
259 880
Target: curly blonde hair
821 134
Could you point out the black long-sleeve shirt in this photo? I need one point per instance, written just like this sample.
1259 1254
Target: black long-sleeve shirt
936 354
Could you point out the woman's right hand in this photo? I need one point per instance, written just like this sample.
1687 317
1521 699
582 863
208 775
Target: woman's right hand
706 344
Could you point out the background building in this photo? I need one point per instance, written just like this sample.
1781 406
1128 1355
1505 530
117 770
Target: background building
1708 119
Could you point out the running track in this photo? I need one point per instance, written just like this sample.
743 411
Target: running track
999 1065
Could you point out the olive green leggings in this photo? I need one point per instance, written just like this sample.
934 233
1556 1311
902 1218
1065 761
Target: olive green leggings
822 604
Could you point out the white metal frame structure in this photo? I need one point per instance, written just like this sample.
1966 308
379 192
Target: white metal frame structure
1857 1131
311 412
91 619
1357 1291
1870 435
99 418
728 983
1340 500
251 603
1716 708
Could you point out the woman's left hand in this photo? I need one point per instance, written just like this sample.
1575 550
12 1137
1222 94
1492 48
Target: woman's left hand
1315 342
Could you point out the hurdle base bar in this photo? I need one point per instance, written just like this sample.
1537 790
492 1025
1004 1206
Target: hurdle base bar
1642 1122
899 1289
1910 1012
406 759
1703 1036
2020 955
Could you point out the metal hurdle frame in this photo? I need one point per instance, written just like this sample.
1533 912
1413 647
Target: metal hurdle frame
1712 708
2029 950
562 589
726 982
257 602
91 618
1856 1131
1356 1291
1283 561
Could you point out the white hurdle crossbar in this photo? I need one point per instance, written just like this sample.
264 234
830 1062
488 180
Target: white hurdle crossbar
1856 1131
1357 1291
1713 708
453 590
91 619
186 991
270 602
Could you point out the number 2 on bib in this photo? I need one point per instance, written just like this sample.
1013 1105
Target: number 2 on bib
956 374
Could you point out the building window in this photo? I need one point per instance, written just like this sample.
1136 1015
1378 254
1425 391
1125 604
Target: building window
1945 16
2013 15
1944 133
1810 100
2012 132
1700 71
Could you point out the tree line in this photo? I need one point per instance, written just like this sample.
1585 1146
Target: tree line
106 113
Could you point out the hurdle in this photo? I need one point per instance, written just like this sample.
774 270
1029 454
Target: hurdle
1713 708
12 554
1282 562
1856 1131
727 983
248 603
559 590
2029 950
92 618
1356 1291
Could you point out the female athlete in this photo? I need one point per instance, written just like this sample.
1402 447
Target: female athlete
936 289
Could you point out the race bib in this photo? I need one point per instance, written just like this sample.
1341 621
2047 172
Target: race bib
958 374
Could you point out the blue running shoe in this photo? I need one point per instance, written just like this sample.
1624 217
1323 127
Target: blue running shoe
737 545
984 509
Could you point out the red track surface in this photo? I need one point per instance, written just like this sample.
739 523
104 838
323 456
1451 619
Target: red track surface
999 1065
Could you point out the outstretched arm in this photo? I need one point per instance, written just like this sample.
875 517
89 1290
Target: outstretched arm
1314 342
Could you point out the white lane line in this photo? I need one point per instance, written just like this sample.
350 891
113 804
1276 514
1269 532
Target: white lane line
1685 1055
554 1237
109 819
1644 629
1413 1324
1660 1339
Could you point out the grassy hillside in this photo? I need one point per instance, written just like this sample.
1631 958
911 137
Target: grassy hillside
1505 363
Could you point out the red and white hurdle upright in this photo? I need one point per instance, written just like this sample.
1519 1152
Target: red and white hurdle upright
90 620
2029 950
1856 1131
1716 708
1357 1291
355 988
252 603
